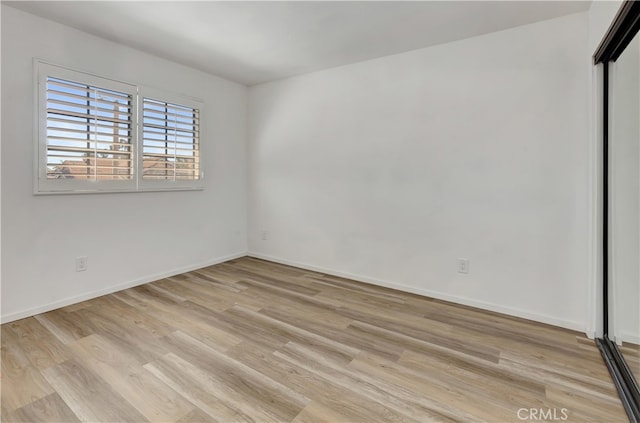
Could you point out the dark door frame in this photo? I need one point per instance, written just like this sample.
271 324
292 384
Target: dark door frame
625 26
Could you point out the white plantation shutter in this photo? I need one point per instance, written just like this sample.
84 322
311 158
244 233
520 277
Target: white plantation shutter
97 135
170 141
88 132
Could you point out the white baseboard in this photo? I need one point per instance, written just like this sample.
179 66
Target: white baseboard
591 334
94 294
567 324
632 338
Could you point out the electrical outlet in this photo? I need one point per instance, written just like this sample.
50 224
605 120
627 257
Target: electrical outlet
264 235
463 265
81 263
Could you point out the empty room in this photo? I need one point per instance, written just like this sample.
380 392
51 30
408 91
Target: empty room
320 211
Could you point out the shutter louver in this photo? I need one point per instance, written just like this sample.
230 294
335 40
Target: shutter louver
88 132
170 141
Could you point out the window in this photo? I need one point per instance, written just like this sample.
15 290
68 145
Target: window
170 140
88 132
100 135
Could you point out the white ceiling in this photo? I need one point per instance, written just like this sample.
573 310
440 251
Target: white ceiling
253 42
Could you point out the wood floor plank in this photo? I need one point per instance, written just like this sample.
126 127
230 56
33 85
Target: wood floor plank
329 347
204 277
21 383
135 340
196 416
305 299
498 398
193 321
410 340
219 400
191 383
5 414
284 277
48 409
132 314
414 385
206 294
253 341
23 386
89 397
152 398
581 410
318 413
273 397
200 288
272 299
40 346
378 391
564 377
65 325
346 401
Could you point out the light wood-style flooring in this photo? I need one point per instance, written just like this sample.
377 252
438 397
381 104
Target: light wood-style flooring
253 341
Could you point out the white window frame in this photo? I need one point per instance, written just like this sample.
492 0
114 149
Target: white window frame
45 186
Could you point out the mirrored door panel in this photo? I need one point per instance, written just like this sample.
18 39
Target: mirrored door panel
624 203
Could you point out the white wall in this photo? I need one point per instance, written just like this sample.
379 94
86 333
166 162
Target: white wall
389 170
128 238
0 173
625 194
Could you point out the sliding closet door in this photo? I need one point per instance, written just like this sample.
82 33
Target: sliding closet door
624 203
